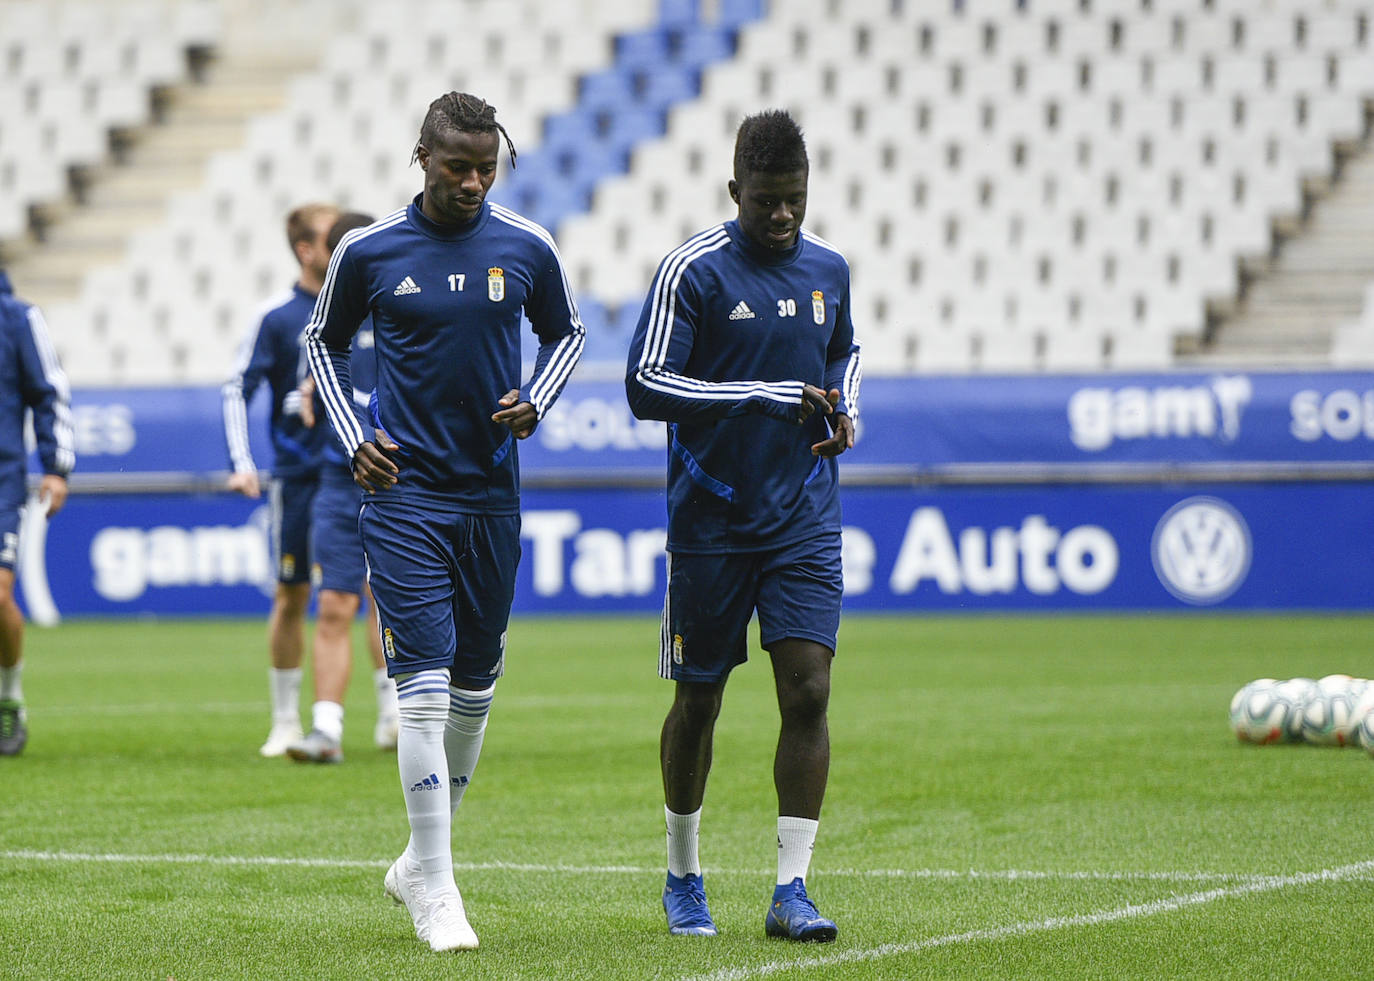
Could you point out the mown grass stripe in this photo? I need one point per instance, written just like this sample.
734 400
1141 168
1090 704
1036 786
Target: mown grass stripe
1133 911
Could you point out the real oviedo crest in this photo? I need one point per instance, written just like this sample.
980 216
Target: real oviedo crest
496 284
818 306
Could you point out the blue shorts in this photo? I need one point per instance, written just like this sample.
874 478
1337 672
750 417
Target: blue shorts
443 582
711 598
9 538
334 540
291 498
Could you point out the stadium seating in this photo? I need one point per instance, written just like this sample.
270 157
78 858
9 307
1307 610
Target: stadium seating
1049 185
74 71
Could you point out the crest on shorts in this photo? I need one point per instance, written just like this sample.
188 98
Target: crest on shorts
388 644
496 284
818 306
677 648
288 566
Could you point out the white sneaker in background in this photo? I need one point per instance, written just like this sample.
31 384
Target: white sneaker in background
316 747
283 734
388 728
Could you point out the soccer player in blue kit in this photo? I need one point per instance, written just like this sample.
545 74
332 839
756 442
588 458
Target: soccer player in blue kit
272 353
30 380
746 349
338 568
445 280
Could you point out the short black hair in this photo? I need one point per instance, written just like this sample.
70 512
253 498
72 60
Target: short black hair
345 223
460 112
769 142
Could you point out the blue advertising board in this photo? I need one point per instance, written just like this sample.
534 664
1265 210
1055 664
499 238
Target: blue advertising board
1298 545
1130 492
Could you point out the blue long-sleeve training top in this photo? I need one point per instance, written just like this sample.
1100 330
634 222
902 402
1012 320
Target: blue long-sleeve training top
30 378
446 304
273 353
728 335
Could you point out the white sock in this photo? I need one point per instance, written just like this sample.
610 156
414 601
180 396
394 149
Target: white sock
12 683
684 830
328 718
463 734
285 685
796 839
423 702
386 694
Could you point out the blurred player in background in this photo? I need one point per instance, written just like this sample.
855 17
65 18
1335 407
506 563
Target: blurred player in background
340 570
30 380
746 349
272 353
445 281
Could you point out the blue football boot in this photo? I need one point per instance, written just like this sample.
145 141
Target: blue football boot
794 916
684 900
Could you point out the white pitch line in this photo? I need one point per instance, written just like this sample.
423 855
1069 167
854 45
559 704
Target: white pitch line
1134 911
1007 875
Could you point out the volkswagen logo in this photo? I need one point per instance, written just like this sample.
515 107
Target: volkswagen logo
1201 550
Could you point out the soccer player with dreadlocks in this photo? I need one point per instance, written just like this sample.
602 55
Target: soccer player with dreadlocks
746 349
445 280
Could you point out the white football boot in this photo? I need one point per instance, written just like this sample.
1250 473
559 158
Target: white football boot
446 923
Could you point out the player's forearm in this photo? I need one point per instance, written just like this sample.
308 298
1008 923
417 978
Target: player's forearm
330 368
844 375
671 397
553 366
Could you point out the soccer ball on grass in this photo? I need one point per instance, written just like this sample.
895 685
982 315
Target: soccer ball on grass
1261 712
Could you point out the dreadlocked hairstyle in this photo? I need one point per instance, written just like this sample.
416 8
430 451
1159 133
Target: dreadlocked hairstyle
769 142
464 113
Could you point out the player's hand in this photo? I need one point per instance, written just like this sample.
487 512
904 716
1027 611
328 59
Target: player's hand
307 390
52 491
373 470
246 483
519 417
817 400
840 440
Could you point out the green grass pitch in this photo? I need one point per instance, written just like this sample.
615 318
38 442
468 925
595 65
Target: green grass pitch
1027 797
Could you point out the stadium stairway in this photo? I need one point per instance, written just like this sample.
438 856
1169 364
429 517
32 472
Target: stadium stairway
1316 282
261 46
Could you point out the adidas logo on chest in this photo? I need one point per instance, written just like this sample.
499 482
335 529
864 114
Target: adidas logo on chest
406 287
741 312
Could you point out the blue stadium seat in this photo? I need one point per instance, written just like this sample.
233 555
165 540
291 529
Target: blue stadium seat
678 13
736 13
642 49
666 85
605 88
569 128
628 126
701 46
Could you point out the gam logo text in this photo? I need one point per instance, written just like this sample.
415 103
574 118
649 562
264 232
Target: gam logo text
1099 416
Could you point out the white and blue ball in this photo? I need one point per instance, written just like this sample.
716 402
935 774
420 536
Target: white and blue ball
1299 692
1364 720
1261 712
1330 718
